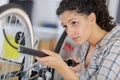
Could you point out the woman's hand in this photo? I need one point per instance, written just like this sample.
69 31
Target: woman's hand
53 60
77 67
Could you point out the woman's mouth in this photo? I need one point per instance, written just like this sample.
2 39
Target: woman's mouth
75 38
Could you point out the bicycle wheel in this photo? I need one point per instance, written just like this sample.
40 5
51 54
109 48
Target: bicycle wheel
66 48
15 30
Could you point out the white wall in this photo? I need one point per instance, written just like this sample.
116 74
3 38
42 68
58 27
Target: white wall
113 7
44 11
2 2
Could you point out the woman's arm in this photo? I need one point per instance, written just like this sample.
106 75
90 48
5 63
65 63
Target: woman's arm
67 73
55 61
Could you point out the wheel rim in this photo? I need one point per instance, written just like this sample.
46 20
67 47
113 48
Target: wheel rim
14 24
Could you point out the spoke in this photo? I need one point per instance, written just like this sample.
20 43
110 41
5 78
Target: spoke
8 75
22 35
6 69
13 20
10 20
20 70
16 21
28 68
12 68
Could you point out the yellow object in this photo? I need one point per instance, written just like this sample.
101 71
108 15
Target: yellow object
8 51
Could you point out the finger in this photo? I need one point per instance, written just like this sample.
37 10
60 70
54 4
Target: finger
41 60
75 59
69 58
48 52
71 68
37 58
74 69
77 67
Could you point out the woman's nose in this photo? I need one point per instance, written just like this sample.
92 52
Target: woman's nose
70 32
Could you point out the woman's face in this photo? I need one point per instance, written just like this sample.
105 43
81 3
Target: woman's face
78 26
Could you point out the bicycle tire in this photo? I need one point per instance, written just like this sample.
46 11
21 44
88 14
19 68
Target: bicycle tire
66 48
13 9
58 49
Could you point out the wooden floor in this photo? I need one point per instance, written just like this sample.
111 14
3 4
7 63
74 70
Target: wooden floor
10 68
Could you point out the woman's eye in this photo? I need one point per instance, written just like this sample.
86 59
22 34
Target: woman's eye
74 23
64 26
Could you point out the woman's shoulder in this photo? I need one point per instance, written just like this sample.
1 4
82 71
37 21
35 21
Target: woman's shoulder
115 34
114 42
117 27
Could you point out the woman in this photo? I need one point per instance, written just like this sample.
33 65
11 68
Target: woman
89 24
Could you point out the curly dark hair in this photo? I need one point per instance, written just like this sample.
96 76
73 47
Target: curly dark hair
103 19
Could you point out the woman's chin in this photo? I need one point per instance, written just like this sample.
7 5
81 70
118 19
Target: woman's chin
79 42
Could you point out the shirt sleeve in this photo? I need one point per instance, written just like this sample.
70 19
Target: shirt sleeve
110 65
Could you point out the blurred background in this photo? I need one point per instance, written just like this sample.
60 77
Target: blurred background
45 22
47 27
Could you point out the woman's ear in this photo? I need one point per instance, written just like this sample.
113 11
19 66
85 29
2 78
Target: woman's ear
92 18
